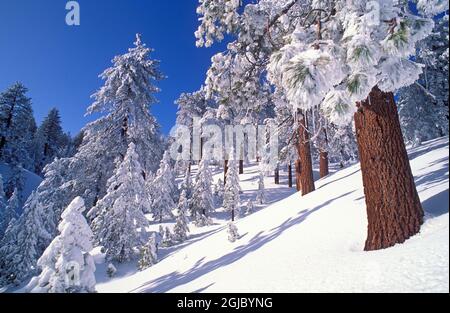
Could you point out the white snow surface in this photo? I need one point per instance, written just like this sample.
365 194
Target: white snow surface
305 244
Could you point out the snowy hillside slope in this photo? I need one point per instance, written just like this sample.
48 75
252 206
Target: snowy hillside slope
32 181
307 244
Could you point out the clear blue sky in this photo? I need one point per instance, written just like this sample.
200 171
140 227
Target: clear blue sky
60 64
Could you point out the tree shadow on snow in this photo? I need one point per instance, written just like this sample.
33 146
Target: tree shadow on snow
170 281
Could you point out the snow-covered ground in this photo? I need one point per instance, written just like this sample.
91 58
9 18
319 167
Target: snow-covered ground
307 244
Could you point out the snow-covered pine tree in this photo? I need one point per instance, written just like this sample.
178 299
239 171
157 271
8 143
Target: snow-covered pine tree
181 227
186 184
50 141
22 243
67 266
218 192
423 106
232 232
231 197
111 270
342 144
8 209
16 181
149 255
249 208
3 209
164 191
261 193
120 224
17 127
202 199
167 239
332 55
125 98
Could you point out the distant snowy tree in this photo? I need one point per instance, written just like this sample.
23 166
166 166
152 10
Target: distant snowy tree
149 255
181 226
3 209
167 239
342 144
249 207
50 141
17 127
231 197
261 193
218 192
111 270
16 181
119 223
8 209
232 231
202 199
186 184
67 266
423 106
22 243
164 191
125 101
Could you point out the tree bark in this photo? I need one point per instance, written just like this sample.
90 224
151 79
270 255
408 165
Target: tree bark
324 168
394 210
232 215
304 152
225 171
298 174
241 167
290 175
324 161
277 175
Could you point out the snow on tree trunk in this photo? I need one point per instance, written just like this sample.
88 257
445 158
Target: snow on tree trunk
394 210
304 152
225 170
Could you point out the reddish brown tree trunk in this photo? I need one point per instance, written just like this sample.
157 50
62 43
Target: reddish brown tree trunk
225 171
394 210
241 167
290 175
304 152
324 169
298 174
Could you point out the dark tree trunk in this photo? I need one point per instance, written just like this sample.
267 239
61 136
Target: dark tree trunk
232 215
2 145
394 210
304 152
225 171
241 167
202 142
298 174
324 161
277 175
324 169
290 175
